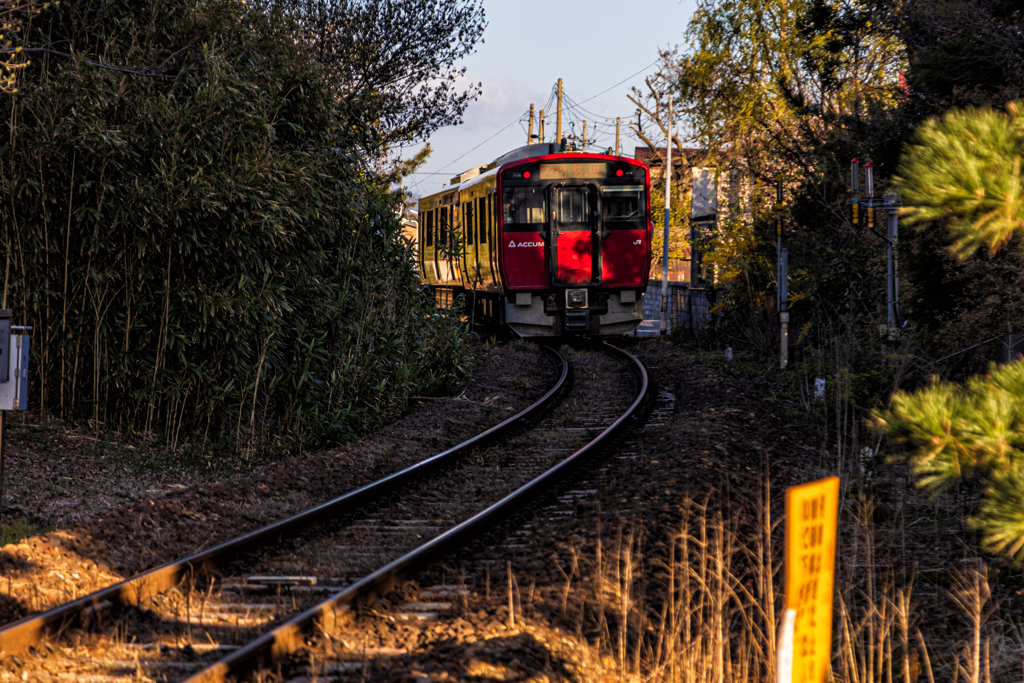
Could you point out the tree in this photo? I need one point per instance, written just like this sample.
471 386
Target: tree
962 53
652 127
392 63
974 430
964 170
205 254
790 89
776 79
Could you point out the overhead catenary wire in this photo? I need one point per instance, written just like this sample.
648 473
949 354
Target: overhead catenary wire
622 81
447 166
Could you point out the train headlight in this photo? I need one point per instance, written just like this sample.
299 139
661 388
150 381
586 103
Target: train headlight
575 298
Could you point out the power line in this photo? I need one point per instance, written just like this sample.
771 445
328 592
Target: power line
622 81
445 168
572 106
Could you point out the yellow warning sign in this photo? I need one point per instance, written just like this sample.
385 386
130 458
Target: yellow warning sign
811 516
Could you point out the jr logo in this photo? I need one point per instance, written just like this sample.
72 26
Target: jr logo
637 242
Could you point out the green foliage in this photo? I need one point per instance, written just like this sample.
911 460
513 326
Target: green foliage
972 430
773 76
679 225
964 169
392 64
791 89
13 532
202 252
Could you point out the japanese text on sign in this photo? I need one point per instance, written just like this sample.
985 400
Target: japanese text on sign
576 170
811 516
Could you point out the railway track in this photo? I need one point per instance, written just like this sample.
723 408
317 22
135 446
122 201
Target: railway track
266 589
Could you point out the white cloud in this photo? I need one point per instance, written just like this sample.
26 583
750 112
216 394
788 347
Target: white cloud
503 100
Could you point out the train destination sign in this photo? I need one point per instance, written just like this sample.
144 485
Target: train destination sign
805 637
595 169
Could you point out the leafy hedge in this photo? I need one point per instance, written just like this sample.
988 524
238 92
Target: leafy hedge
198 247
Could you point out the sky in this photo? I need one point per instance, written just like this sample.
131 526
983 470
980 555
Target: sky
592 46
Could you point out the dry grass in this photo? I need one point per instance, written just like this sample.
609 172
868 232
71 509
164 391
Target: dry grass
704 607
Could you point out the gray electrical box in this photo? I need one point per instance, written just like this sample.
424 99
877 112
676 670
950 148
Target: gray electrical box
14 392
6 315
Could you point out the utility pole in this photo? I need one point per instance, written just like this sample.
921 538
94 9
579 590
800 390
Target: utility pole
892 204
529 136
558 118
782 289
540 127
618 128
869 193
668 212
584 135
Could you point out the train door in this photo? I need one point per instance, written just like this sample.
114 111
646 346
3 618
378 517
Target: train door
444 245
575 235
481 241
458 241
492 241
435 234
469 233
427 251
478 230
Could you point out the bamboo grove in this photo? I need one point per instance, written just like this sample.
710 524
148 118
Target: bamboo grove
199 247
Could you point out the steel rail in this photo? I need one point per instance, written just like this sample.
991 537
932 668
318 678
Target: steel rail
282 641
19 636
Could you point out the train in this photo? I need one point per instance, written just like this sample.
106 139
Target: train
545 240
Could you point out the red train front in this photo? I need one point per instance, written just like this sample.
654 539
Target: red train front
544 241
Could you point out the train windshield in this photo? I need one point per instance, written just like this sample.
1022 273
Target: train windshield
524 207
624 206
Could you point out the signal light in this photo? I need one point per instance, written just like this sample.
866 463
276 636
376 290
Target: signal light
526 174
619 173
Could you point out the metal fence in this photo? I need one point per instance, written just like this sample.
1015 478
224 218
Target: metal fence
687 308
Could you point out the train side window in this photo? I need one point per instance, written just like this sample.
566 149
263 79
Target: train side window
485 207
492 201
442 228
482 219
469 222
428 229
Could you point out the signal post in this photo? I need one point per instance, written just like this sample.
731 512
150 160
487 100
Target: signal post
873 209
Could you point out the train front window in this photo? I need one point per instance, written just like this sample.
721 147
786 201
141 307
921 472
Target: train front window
524 208
572 208
624 207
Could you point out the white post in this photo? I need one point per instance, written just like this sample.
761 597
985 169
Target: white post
668 211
